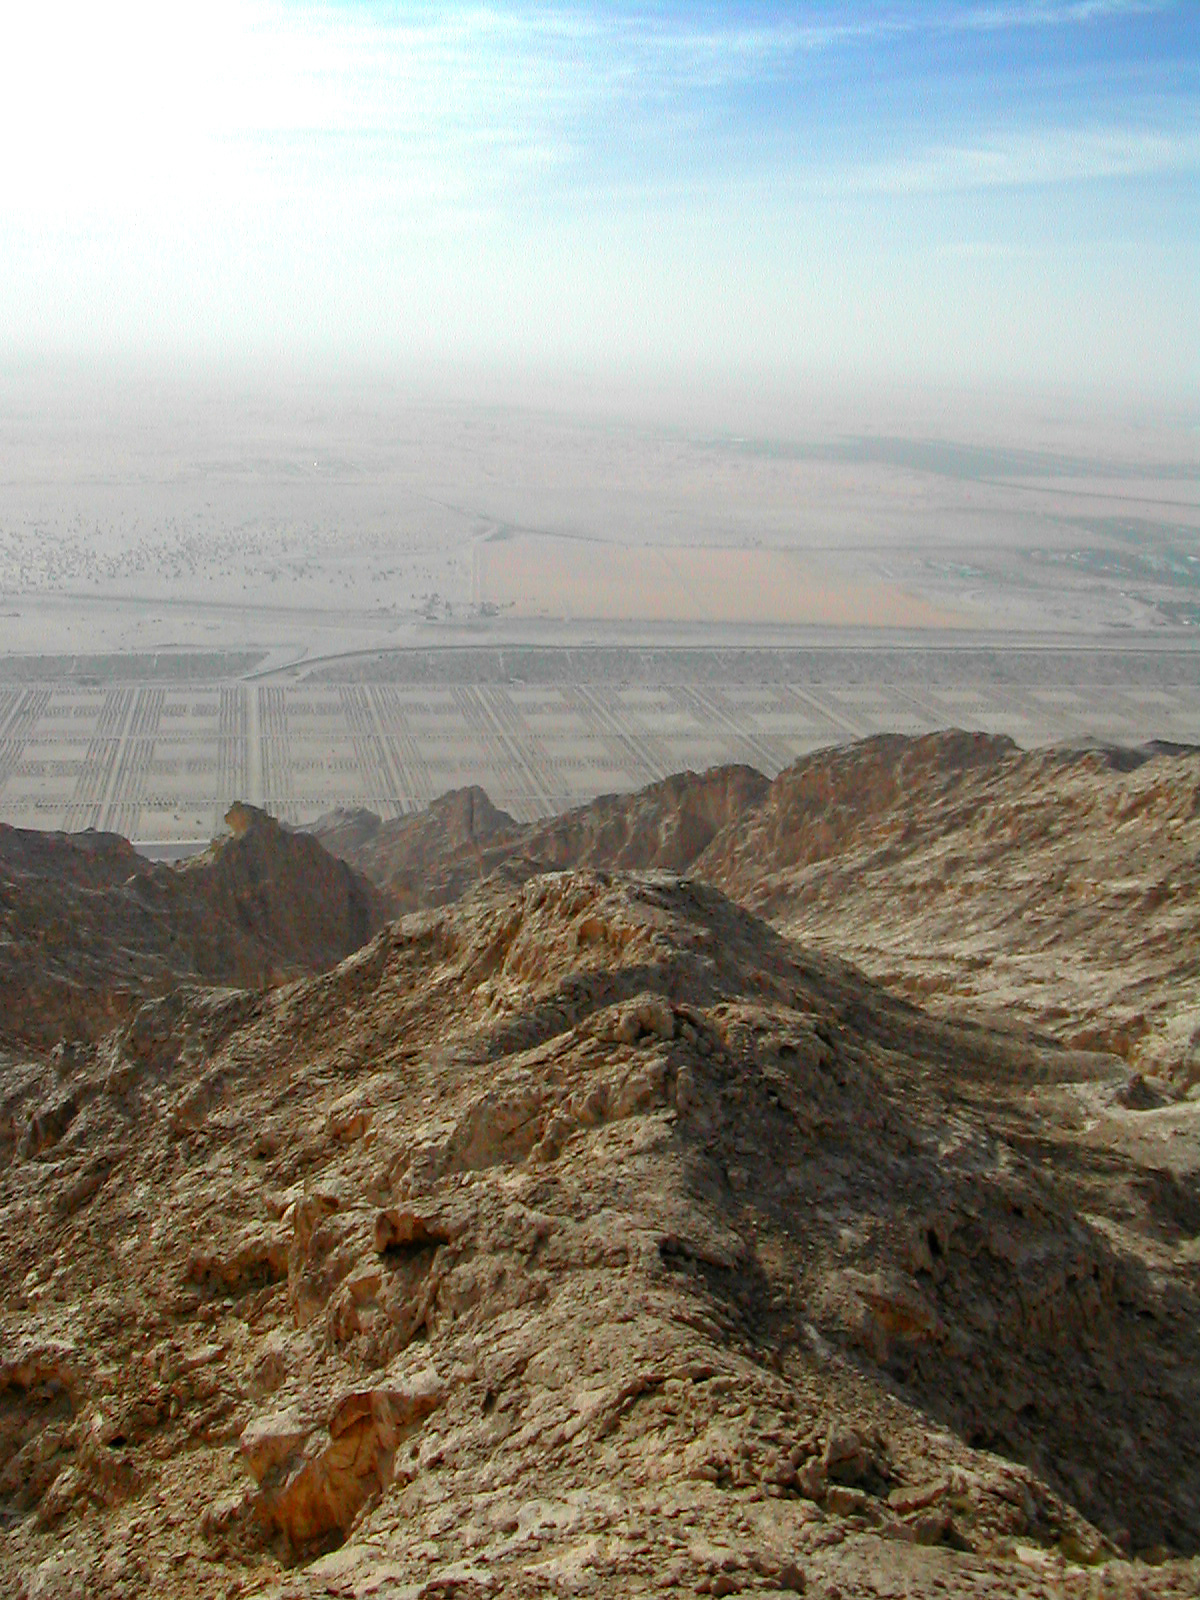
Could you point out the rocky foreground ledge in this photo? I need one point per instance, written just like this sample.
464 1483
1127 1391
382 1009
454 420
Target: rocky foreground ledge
591 1237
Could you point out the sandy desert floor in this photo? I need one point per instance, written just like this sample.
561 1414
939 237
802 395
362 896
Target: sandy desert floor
147 515
316 596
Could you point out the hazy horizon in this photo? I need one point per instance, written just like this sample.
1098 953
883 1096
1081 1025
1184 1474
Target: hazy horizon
977 195
51 386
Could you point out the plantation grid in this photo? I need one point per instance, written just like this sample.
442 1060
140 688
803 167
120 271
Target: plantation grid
156 752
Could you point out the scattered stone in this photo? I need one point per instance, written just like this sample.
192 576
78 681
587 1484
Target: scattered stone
915 1497
845 1502
845 1457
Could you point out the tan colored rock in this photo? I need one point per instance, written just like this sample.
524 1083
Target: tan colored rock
917 1497
403 1229
434 857
1054 886
845 1458
272 1439
314 1476
844 1501
814 1279
812 1479
256 1256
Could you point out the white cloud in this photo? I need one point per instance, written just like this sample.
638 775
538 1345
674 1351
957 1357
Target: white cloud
1055 13
1026 157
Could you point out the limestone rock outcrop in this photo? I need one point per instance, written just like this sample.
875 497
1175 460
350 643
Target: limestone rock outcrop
591 1236
433 857
430 857
1056 887
89 928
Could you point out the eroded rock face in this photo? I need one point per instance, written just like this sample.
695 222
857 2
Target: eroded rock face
89 929
590 1236
316 1466
433 858
429 858
1055 887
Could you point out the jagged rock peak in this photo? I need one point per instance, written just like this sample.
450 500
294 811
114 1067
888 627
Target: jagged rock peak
89 928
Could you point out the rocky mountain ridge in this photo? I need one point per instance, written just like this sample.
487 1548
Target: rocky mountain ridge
1059 887
588 1234
433 857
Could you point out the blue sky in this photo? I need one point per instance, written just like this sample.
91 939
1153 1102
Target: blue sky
990 191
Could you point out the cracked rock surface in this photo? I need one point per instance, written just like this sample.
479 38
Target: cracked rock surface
591 1236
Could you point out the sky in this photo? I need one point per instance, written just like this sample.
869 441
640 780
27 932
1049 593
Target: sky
995 191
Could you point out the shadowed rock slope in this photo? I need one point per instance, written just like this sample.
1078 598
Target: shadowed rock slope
89 928
430 857
591 1237
1060 887
433 857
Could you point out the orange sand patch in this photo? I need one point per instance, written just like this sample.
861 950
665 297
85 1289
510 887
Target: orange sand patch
531 576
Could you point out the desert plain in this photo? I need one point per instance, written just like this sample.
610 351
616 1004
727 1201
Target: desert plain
329 594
